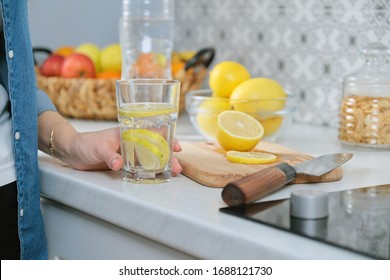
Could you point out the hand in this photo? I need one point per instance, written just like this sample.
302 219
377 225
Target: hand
101 150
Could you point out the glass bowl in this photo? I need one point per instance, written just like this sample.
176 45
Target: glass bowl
274 114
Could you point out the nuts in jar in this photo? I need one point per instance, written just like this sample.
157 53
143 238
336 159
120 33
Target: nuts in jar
365 120
365 107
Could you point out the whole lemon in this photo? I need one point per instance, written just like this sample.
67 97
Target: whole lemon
271 125
226 76
92 51
258 95
207 117
111 58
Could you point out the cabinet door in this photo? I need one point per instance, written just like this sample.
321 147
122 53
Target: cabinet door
75 235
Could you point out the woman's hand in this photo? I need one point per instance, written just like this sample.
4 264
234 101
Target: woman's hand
96 150
101 150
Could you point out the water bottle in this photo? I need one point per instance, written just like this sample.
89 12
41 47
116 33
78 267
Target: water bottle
146 32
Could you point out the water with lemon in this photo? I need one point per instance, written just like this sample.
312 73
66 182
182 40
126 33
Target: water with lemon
147 135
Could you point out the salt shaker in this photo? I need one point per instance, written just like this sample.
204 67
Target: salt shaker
146 32
365 107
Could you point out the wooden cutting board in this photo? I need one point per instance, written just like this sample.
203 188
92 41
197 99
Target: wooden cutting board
206 164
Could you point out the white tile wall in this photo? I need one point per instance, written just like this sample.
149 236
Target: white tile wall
306 45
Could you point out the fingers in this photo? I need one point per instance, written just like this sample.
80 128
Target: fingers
176 146
115 162
110 156
176 167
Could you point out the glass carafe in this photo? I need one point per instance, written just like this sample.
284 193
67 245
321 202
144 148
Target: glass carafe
146 31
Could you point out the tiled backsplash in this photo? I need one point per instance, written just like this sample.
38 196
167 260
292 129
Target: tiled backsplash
306 45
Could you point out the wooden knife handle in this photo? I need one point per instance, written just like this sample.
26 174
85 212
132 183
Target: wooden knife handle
257 185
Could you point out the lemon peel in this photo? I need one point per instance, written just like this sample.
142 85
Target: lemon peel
250 157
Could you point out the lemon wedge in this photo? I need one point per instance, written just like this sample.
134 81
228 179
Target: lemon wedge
250 157
149 148
238 131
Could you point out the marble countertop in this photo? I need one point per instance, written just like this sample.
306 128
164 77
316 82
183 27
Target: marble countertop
185 215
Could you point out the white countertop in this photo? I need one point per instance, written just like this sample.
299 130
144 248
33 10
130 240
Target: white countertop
185 215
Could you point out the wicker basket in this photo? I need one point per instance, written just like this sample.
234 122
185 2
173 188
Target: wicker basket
96 98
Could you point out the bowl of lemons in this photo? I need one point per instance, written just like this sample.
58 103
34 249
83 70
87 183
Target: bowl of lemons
262 98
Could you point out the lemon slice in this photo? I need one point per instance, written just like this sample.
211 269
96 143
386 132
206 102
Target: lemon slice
146 109
150 148
250 157
238 131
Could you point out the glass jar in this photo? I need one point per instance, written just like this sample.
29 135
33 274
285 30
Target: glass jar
365 107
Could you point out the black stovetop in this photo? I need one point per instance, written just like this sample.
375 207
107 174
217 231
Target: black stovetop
358 220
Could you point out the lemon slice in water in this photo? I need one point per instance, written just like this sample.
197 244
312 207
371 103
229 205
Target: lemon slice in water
250 157
146 109
150 148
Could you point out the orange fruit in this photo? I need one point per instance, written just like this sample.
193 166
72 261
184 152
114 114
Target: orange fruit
149 65
64 50
177 66
108 75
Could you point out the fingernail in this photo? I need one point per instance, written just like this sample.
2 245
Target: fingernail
113 163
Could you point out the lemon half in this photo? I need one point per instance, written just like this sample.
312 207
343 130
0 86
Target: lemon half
250 157
150 148
238 131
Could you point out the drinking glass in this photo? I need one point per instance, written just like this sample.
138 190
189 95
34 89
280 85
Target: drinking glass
147 115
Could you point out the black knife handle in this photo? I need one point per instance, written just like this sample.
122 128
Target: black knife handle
257 185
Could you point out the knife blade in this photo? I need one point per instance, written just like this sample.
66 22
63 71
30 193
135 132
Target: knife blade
259 184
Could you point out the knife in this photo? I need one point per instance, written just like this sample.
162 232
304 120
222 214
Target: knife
259 184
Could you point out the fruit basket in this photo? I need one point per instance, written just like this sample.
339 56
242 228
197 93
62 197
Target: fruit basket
95 99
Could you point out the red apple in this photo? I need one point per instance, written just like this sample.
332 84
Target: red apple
52 65
78 65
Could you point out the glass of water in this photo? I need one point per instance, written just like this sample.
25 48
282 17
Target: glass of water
147 115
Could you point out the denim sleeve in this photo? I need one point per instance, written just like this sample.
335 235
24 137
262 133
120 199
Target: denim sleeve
44 102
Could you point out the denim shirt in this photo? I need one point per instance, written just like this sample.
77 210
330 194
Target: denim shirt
17 75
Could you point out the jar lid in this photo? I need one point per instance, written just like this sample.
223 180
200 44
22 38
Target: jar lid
375 49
